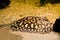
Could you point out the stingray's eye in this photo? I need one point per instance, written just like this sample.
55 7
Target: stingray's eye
4 3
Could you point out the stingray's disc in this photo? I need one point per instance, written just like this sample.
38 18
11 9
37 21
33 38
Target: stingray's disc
32 24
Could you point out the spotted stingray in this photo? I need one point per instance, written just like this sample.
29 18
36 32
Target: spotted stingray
32 24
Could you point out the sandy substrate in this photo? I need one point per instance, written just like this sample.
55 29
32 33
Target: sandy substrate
17 10
8 34
35 36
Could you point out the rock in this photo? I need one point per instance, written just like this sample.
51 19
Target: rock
4 3
56 26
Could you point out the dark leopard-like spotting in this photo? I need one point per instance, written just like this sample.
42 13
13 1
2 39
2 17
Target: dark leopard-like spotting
32 24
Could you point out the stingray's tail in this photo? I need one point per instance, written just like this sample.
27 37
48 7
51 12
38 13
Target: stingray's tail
2 26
